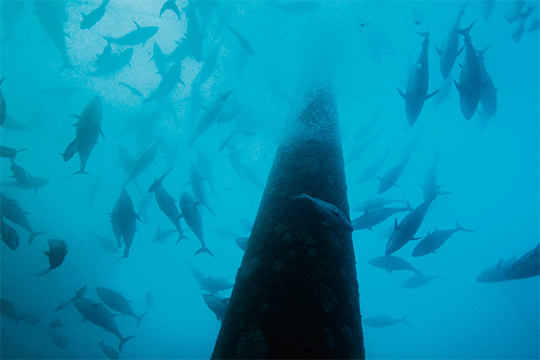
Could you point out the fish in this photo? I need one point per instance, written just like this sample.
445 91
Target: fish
94 16
207 68
7 152
205 168
143 163
193 219
106 243
242 40
241 242
209 117
449 51
445 86
359 150
498 272
56 323
434 240
170 5
382 321
125 160
376 203
133 90
9 235
58 250
234 158
333 216
145 131
117 302
372 170
391 177
88 130
149 298
138 36
12 211
181 52
194 36
52 16
114 63
430 186
124 222
104 57
488 95
526 266
374 217
470 78
59 340
407 228
162 235
12 124
18 172
31 319
194 104
418 280
98 315
167 204
71 150
417 87
392 263
31 183
159 59
8 310
252 177
217 304
10 12
364 130
206 8
212 284
199 189
168 83
109 351
487 8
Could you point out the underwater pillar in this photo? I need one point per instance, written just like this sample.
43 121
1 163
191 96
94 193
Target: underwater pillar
296 293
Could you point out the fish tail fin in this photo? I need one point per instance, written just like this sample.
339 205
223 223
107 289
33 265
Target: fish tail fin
465 32
405 321
409 207
123 341
204 249
33 235
123 257
461 228
140 318
182 236
44 272
78 172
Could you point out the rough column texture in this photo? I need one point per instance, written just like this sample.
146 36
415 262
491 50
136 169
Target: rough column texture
296 293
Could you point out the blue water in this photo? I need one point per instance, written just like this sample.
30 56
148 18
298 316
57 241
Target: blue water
364 51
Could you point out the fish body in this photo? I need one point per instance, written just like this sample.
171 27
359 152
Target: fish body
392 176
104 57
217 304
149 298
94 16
407 228
207 67
449 51
133 90
194 36
470 79
241 39
98 315
199 189
143 163
106 244
56 323
418 280
372 170
241 242
234 158
109 351
18 172
124 221
430 186
168 82
31 183
358 150
52 16
392 263
332 214
9 235
205 168
193 220
138 36
488 95
7 152
88 129
418 84
117 302
374 217
168 206
12 211
434 240
58 250
209 117
114 63
8 310
498 272
213 284
526 266
59 340
125 160
376 203
162 235
159 59
381 321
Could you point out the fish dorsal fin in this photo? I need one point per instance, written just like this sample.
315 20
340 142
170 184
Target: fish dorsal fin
395 224
499 264
138 26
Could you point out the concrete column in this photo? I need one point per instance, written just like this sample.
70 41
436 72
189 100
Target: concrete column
296 293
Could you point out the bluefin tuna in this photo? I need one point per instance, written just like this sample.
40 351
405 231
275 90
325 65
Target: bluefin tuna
199 189
9 235
138 36
12 211
58 250
391 177
434 240
333 216
124 222
194 36
94 16
418 280
117 302
392 263
526 266
168 82
209 117
217 304
382 321
193 220
374 217
241 39
449 51
143 163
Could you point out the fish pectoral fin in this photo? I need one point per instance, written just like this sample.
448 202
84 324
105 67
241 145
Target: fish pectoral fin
458 87
431 95
403 95
137 25
416 238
